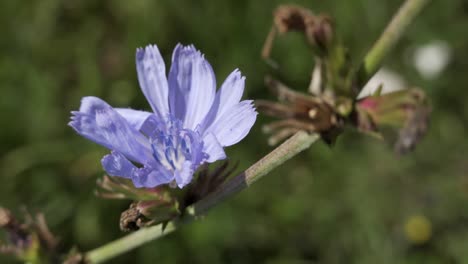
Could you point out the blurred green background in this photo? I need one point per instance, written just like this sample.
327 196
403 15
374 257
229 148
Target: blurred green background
354 203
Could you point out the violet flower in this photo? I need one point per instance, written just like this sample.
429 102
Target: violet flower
190 123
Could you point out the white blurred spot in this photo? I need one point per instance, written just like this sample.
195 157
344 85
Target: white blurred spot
390 80
316 81
431 59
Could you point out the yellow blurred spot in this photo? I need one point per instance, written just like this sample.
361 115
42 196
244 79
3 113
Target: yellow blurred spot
418 229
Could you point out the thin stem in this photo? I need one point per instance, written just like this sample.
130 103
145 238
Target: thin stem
392 34
127 243
278 156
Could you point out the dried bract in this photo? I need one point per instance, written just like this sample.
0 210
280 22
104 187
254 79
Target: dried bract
207 182
318 29
297 112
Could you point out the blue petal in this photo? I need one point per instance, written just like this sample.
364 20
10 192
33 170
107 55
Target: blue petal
236 122
213 148
193 86
134 117
202 93
227 96
150 125
179 80
116 164
152 78
150 177
184 175
100 123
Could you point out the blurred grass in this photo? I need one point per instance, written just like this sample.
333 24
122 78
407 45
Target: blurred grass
348 204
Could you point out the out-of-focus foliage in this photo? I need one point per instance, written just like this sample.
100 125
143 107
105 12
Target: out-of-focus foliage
354 203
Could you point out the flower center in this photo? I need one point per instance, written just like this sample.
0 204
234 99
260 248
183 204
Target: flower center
172 144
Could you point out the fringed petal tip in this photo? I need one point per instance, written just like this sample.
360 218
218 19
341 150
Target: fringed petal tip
140 54
141 51
78 120
236 74
186 53
232 89
73 119
90 104
188 48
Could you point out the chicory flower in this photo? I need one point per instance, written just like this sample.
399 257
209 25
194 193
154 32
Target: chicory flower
190 124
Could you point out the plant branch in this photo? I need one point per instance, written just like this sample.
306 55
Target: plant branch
392 34
297 143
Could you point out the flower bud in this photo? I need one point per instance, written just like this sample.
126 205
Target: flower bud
405 112
120 188
146 213
318 30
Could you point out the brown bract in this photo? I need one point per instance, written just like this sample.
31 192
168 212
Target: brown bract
297 111
318 29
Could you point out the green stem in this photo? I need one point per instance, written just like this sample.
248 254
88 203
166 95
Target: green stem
392 34
297 143
278 156
127 243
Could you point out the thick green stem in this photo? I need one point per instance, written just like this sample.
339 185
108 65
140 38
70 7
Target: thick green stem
297 143
395 29
278 156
